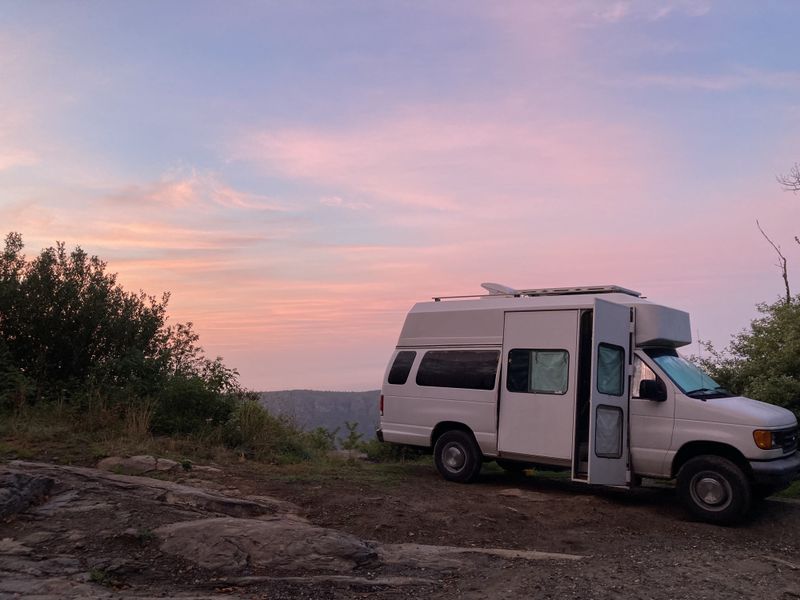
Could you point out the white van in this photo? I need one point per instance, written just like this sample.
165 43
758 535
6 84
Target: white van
585 379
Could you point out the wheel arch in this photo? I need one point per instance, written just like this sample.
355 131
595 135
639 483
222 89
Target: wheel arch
698 448
445 426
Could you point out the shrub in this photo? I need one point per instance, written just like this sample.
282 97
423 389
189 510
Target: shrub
186 405
763 361
258 434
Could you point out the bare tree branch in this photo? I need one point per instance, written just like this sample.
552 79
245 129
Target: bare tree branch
781 262
790 181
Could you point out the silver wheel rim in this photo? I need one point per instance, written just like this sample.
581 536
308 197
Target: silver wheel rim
711 491
453 457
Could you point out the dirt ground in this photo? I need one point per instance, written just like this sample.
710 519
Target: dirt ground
637 544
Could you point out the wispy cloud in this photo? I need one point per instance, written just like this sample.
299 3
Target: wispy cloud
183 188
339 202
736 79
437 160
617 11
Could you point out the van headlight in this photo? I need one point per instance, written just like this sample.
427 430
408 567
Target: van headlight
765 439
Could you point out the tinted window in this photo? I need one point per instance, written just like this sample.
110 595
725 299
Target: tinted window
401 367
538 371
472 369
610 369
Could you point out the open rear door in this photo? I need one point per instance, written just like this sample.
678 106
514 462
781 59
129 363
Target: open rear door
608 421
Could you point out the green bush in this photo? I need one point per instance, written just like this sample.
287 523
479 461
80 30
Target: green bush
73 341
13 384
72 330
186 405
321 440
763 361
258 434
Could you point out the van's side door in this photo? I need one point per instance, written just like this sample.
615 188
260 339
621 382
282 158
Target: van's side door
608 421
537 398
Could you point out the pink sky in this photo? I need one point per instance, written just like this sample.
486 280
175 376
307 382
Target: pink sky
298 179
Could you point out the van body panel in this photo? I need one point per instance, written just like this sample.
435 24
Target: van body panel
481 321
661 326
735 411
452 328
403 433
736 436
652 425
412 411
539 424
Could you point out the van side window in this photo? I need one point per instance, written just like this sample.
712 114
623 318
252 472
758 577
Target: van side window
610 369
538 371
401 366
468 369
641 372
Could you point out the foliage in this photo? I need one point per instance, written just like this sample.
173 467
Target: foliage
83 359
353 438
256 433
69 333
187 404
67 326
13 384
763 361
322 440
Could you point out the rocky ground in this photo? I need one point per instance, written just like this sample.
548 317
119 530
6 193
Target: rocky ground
187 531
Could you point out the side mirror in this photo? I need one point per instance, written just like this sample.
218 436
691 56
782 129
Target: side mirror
652 389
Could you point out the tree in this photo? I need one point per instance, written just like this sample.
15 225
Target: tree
68 329
763 361
781 263
791 181
353 439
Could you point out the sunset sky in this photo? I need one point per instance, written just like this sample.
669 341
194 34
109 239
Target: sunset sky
298 174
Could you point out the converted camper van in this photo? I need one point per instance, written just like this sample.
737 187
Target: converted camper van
585 379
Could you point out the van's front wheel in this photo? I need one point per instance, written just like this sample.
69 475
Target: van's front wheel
457 456
714 489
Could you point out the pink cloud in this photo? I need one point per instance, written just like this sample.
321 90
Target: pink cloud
181 189
449 160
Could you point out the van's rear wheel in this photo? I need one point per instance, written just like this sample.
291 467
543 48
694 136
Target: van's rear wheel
714 489
457 456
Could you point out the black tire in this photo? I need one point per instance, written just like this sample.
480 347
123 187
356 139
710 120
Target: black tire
512 466
714 489
457 456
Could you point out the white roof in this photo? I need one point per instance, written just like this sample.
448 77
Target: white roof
480 321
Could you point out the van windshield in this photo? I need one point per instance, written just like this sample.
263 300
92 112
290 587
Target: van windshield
691 380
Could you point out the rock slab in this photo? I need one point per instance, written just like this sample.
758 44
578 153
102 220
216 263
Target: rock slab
19 491
281 544
143 463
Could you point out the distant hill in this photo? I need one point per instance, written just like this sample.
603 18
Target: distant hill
311 409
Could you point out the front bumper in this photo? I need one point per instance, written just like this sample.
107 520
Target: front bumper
781 471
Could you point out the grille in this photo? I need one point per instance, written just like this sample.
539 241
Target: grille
786 439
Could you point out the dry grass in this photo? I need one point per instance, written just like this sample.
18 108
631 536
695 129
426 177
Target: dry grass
62 433
138 417
56 433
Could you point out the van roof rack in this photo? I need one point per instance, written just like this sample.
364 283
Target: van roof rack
496 289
